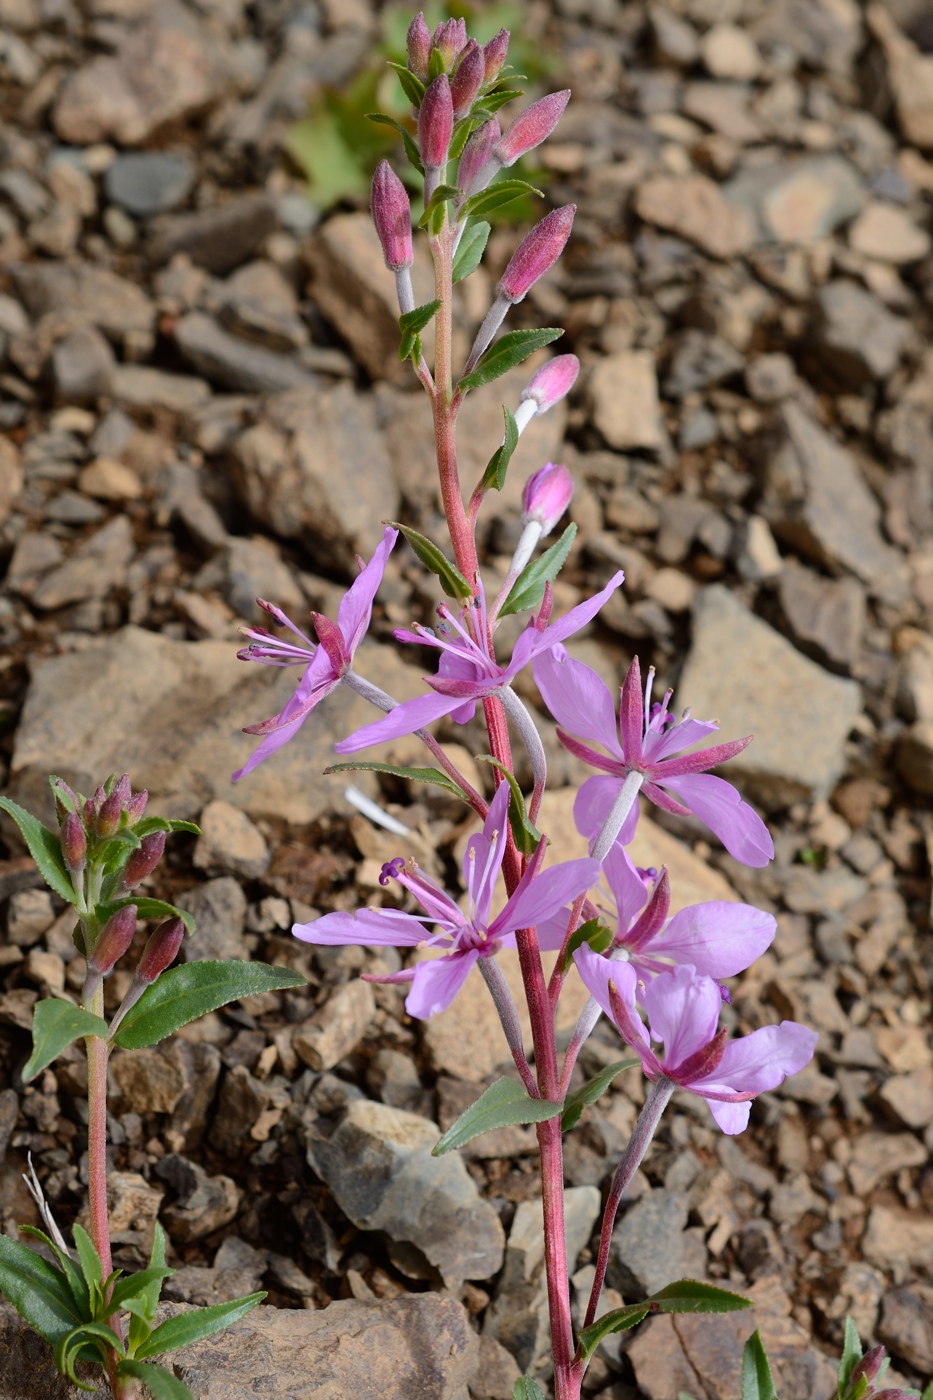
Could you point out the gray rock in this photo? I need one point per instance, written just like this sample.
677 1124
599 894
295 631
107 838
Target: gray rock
113 304
261 305
337 1027
675 40
648 1244
695 208
230 841
906 1327
379 1167
242 1099
218 238
147 387
699 361
200 1064
204 1203
82 365
817 501
856 336
234 363
149 182
96 567
180 493
914 756
799 201
755 682
219 910
254 569
826 616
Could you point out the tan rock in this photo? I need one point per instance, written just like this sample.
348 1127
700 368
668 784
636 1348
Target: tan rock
695 208
11 476
887 233
910 74
337 1028
730 52
109 480
623 391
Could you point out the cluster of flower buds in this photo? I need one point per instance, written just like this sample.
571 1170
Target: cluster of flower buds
87 823
159 953
871 1368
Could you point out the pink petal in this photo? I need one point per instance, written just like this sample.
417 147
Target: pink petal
677 737
594 803
356 605
578 699
683 1011
551 931
543 895
627 886
764 1059
719 938
404 719
371 927
716 802
437 981
484 855
731 1117
596 972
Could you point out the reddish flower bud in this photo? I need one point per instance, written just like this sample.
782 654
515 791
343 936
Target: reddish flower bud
477 154
868 1367
551 382
436 123
66 799
547 495
537 253
419 46
532 126
449 40
467 81
144 860
392 217
74 842
893 1395
122 788
135 806
494 55
108 815
113 940
160 952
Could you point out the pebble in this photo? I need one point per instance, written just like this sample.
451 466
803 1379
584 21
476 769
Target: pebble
695 208
908 1098
109 480
730 52
149 182
114 304
145 387
649 1244
219 910
876 1156
149 1080
29 915
906 1326
219 237
623 391
96 567
234 363
229 841
204 1204
887 233
827 617
896 1239
336 1029
856 336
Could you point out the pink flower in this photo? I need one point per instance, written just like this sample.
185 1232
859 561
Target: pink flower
468 669
537 253
325 664
546 495
531 127
650 740
465 936
683 1012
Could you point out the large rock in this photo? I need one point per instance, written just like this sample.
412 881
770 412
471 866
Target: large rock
110 302
379 1167
235 363
695 208
219 237
623 391
799 201
746 675
856 336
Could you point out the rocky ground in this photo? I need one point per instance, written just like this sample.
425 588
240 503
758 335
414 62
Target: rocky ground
201 404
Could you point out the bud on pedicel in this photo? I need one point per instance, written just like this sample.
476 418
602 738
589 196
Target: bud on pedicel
868 1368
108 815
467 81
135 806
494 55
436 123
551 383
449 40
113 940
74 842
477 154
419 46
144 860
537 253
531 127
547 495
392 217
160 952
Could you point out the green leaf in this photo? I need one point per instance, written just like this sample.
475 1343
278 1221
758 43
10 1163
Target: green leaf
528 589
495 197
412 86
38 1291
414 775
757 1380
597 935
452 581
687 1295
193 1326
135 1286
462 132
90 1341
506 352
150 824
76 1281
435 205
619 1320
146 909
91 1267
44 847
851 1356
144 1311
470 250
927 1392
494 475
411 150
501 1105
61 794
526 1388
526 834
492 101
417 319
184 993
160 1383
55 1024
593 1089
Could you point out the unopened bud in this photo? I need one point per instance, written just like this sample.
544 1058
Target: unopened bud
477 156
144 859
868 1368
135 806
74 842
160 952
108 815
537 253
531 127
419 46
547 495
113 940
894 1395
66 799
494 55
449 40
392 217
468 79
551 383
123 788
436 123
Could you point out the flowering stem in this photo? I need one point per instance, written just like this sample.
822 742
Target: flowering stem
508 1015
446 407
616 818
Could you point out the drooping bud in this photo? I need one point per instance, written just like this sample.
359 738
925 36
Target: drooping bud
531 127
136 806
160 952
144 860
477 155
74 842
468 79
108 815
551 383
436 123
419 46
449 40
392 217
494 55
537 253
113 940
547 495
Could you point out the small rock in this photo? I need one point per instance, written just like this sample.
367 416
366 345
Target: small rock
910 74
885 232
237 364
205 1203
730 52
261 305
149 182
11 477
906 1327
876 1156
242 1100
897 1239
118 307
909 1097
698 362
757 556
255 569
134 1208
109 480
770 378
149 1080
623 391
218 238
144 386
96 567
648 1244
826 616
675 40
694 207
914 756
9 1112
497 1372
855 334
29 915
82 365
336 1029
219 911
230 841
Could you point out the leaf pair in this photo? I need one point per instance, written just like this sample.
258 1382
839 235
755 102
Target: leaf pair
685 1296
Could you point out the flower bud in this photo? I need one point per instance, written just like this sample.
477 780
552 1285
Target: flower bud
392 217
477 154
547 495
144 860
135 806
122 788
74 842
436 123
551 383
160 952
531 127
449 40
868 1368
108 815
494 55
66 799
113 940
419 46
467 81
537 253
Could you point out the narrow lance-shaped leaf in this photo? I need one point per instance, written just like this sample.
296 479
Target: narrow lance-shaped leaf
414 775
492 101
418 318
441 196
851 1356
495 197
597 935
412 86
55 1024
38 1291
470 251
146 909
507 352
73 1275
411 150
143 1314
184 993
150 824
528 589
494 475
526 834
757 1380
91 1266
44 847
619 1320
502 1105
593 1089
192 1326
161 1384
688 1295
433 559
91 1341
